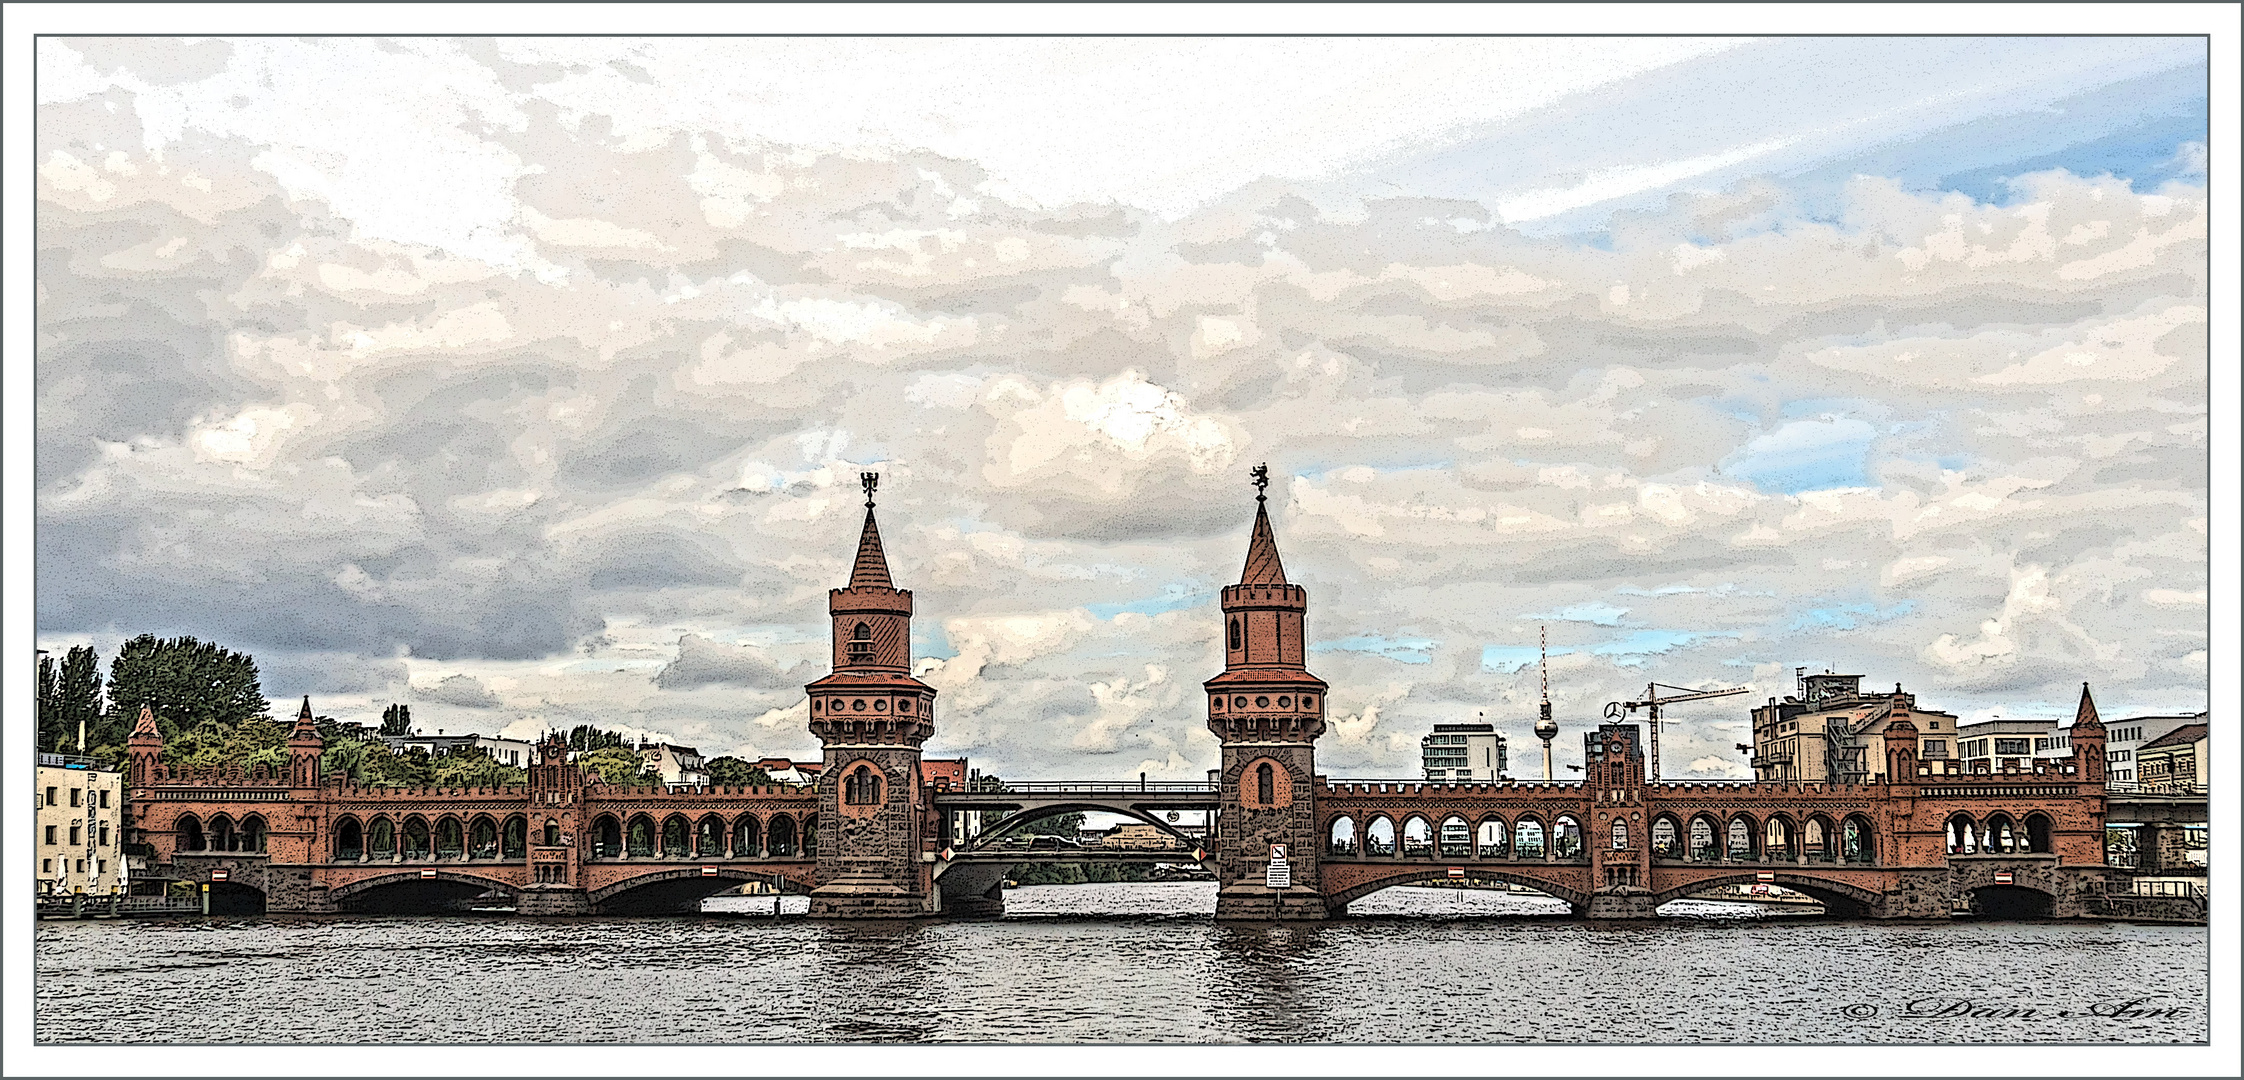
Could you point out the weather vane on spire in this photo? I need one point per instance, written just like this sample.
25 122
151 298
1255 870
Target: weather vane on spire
871 480
1261 474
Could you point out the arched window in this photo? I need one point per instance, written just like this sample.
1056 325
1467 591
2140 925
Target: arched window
1234 634
1265 784
1963 835
1456 838
350 840
781 837
1702 840
861 645
1527 839
189 829
222 836
2002 836
1566 838
1666 842
1620 836
709 837
1417 837
416 838
1342 839
253 833
2037 834
1855 845
747 841
448 838
514 837
1817 838
483 839
1776 839
862 788
607 837
1491 840
639 838
381 839
676 838
1379 838
552 837
1741 839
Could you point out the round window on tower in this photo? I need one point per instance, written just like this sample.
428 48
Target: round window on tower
1261 703
880 704
1238 703
814 704
858 704
1285 703
1217 704
904 705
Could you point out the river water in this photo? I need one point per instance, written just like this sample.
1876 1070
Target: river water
1124 963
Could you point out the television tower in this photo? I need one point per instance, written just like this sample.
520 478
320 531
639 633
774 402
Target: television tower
1546 728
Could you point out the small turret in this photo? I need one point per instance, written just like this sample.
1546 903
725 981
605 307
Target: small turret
2088 740
144 748
304 749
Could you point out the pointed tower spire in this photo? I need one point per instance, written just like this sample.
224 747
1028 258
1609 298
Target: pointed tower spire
2086 715
871 570
1263 567
146 725
304 716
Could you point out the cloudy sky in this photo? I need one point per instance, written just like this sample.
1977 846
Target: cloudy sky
526 382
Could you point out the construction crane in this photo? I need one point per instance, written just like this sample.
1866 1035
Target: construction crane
1651 705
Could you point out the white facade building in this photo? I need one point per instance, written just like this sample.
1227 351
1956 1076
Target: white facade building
511 752
2122 738
79 828
675 764
1464 753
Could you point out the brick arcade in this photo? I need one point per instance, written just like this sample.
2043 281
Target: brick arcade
874 837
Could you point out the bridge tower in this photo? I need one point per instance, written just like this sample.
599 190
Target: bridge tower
1268 710
872 717
1618 828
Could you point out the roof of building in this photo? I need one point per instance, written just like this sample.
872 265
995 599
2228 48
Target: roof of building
1468 728
2181 736
1263 567
871 569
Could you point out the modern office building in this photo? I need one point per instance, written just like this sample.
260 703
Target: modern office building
2174 761
1464 753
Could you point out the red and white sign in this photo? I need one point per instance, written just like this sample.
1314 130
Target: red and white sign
1277 853
1764 876
1457 871
948 853
2002 877
708 871
425 874
218 875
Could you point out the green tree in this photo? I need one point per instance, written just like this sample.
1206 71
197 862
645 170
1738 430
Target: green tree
1068 825
585 737
187 682
473 766
732 771
250 743
380 766
397 720
617 765
70 701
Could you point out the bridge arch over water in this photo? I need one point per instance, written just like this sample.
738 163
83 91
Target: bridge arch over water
423 891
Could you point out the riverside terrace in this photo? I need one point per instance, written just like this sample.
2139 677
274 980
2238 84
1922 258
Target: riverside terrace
879 837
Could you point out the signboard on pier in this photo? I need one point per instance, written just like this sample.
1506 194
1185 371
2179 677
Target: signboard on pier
1280 873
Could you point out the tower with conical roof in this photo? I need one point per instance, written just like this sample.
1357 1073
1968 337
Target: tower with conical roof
144 748
872 717
1268 711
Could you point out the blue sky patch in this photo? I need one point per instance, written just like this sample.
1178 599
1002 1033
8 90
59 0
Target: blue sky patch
1592 612
1176 594
1505 659
1632 650
1844 617
1807 455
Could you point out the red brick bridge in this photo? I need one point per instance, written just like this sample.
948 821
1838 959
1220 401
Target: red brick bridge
879 837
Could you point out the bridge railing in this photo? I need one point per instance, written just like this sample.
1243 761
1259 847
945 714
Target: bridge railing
1091 787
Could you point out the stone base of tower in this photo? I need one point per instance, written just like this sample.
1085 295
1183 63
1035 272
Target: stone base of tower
553 901
1620 904
1247 903
865 900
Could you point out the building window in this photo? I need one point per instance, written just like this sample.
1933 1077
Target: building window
74 797
105 835
1620 836
1234 634
46 866
105 800
1265 784
50 796
101 866
862 788
2013 746
50 833
861 644
76 837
